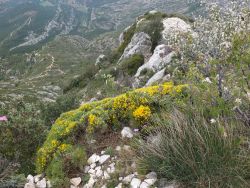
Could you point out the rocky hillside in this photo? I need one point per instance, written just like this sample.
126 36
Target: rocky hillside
145 137
45 42
167 107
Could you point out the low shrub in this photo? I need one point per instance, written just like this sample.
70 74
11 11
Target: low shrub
187 148
101 116
131 65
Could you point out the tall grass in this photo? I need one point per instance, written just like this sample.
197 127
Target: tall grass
189 149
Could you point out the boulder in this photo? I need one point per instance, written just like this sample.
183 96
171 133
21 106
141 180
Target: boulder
140 44
127 133
161 57
41 184
175 26
119 185
30 179
76 181
37 178
135 183
101 61
157 77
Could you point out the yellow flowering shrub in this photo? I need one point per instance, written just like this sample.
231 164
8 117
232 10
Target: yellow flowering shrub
102 115
142 113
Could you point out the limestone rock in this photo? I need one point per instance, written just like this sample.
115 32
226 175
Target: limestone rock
161 57
144 185
128 179
76 181
151 175
127 133
29 185
37 178
104 158
41 184
157 77
140 44
150 181
135 183
174 26
94 158
30 179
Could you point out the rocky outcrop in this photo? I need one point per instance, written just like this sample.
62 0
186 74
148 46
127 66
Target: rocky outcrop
157 76
161 57
175 26
140 44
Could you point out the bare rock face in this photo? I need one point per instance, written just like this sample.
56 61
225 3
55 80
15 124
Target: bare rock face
174 26
140 44
157 76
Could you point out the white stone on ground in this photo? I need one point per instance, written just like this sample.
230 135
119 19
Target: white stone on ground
128 179
150 181
119 185
37 178
156 77
104 158
94 158
118 148
106 175
76 181
135 183
151 175
127 133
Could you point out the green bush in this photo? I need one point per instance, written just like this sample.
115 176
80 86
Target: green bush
81 81
131 65
21 135
51 111
197 153
153 28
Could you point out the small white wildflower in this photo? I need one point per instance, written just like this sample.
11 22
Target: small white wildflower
212 121
207 80
136 130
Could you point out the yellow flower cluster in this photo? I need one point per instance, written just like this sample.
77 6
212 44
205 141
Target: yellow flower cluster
142 113
101 115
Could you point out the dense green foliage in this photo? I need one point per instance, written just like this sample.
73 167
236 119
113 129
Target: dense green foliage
131 64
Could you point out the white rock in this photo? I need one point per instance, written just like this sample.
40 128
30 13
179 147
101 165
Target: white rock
94 158
133 165
41 184
99 173
49 185
128 179
93 165
104 186
174 26
86 169
98 168
119 185
151 175
120 178
72 186
150 181
102 152
140 44
37 178
156 77
161 57
30 179
106 175
135 183
29 185
118 148
90 183
127 133
91 171
144 185
104 158
76 181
